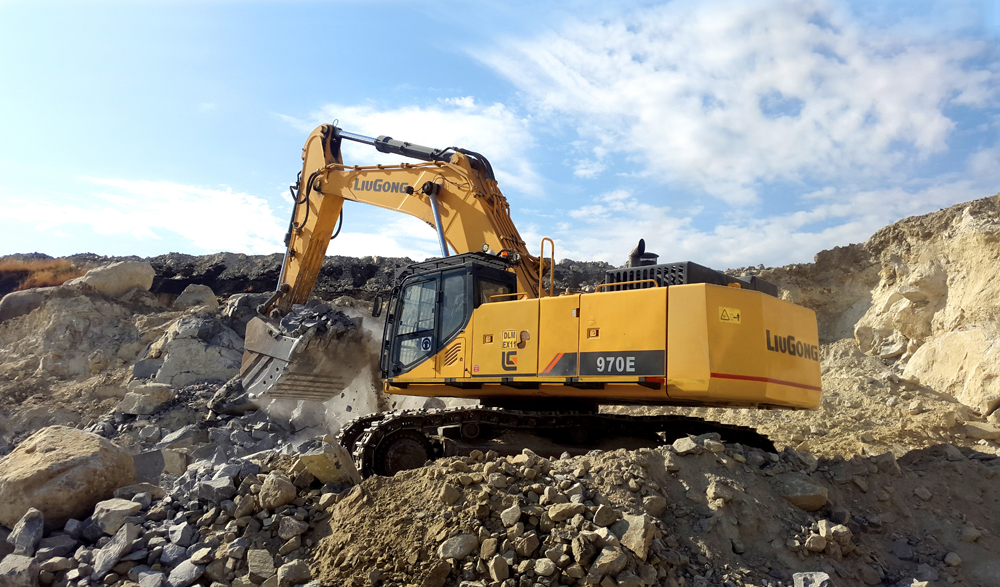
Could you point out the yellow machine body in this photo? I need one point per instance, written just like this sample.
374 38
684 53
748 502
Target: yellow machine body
696 344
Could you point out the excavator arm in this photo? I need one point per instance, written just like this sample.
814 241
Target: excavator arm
452 190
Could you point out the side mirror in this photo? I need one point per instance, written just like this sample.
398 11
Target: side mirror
377 307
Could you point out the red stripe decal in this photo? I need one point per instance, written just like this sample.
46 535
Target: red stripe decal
766 380
553 363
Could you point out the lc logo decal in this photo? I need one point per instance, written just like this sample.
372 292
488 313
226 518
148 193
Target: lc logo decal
509 362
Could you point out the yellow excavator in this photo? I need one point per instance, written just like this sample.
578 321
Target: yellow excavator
484 322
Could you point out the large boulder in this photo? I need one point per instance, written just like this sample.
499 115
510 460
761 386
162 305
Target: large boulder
118 278
964 364
19 303
196 295
63 472
146 399
18 571
195 348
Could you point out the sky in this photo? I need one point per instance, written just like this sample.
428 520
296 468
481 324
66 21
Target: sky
729 133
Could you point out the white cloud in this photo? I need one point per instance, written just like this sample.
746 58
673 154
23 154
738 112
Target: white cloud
588 168
494 130
209 220
609 227
396 236
724 96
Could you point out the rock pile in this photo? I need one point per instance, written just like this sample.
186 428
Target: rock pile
700 512
224 521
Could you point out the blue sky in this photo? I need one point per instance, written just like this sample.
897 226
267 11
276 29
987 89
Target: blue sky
727 133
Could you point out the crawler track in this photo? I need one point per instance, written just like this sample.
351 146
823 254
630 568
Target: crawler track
384 443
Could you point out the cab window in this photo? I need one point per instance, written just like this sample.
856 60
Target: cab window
488 289
453 305
418 308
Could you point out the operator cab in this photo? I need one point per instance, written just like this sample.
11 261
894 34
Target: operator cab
432 303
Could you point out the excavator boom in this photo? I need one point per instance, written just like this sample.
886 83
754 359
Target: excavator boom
453 190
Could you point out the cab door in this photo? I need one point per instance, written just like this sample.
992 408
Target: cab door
414 325
454 317
428 325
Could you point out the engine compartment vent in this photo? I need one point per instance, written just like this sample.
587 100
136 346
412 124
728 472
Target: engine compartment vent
682 273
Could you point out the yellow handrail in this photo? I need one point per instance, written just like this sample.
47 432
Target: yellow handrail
552 268
519 293
653 281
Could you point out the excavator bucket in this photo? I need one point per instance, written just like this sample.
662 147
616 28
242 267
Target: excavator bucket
312 354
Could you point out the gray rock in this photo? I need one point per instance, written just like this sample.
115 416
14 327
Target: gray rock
926 572
511 515
459 546
18 571
184 437
73 528
108 556
248 468
605 516
499 569
136 555
182 534
635 533
290 527
185 574
27 533
227 471
196 295
294 573
110 514
798 489
564 511
134 572
544 567
260 564
815 579
152 579
276 492
172 554
146 368
627 579
686 445
58 563
216 490
901 549
59 545
610 561
143 499
237 548
654 504
91 531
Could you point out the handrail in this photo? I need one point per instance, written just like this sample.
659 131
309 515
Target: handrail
517 293
653 281
552 268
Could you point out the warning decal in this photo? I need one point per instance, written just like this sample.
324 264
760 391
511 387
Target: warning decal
730 315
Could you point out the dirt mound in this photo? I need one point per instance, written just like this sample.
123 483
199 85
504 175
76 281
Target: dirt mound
719 514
